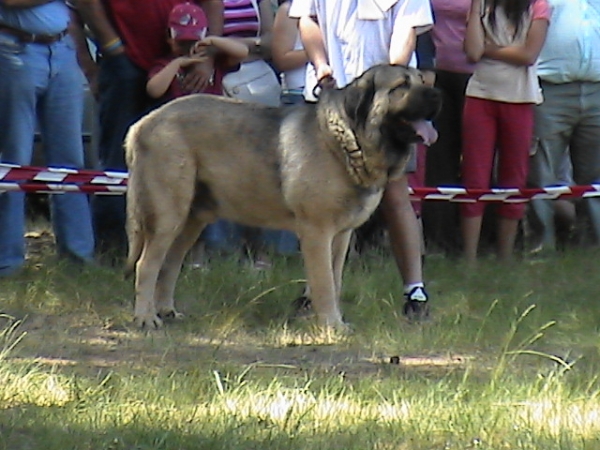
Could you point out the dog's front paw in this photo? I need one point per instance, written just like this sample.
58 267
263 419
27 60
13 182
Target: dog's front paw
149 322
302 308
333 320
170 315
340 328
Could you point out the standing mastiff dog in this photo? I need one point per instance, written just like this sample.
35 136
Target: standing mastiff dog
318 170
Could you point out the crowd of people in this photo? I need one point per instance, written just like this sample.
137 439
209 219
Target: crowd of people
520 81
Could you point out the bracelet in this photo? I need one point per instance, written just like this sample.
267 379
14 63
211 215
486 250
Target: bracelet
111 46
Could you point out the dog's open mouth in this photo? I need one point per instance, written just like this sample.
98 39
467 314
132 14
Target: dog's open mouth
424 129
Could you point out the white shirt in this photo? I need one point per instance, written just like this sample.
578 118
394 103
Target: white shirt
354 44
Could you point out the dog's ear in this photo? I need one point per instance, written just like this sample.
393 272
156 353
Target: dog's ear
359 97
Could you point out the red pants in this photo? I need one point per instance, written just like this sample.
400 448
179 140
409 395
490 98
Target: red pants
495 129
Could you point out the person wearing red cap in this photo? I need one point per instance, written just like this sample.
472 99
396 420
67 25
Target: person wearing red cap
189 43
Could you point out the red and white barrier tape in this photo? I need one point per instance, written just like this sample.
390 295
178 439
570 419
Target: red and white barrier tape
10 172
510 195
59 180
58 188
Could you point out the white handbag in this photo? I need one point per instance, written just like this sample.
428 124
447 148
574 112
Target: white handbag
255 81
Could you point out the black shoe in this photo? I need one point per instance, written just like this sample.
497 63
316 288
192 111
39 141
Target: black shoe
416 306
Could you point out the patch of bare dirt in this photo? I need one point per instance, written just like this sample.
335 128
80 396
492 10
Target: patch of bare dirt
83 345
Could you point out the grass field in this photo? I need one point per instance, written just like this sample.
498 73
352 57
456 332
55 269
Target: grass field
510 360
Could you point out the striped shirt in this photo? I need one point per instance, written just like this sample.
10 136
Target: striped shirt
240 18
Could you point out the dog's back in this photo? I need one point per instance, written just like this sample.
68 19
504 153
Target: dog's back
205 155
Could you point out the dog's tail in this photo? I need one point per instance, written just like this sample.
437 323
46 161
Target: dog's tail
134 230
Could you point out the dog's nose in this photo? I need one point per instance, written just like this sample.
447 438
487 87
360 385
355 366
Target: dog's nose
433 95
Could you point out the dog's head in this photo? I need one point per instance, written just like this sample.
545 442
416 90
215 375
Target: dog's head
375 119
391 101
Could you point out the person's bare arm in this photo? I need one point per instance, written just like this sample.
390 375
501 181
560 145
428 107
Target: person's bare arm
94 15
234 51
312 40
402 44
523 55
285 32
200 74
260 46
160 82
214 14
84 57
267 15
474 44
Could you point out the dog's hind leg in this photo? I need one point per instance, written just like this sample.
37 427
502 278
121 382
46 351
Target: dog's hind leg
164 217
147 269
340 246
167 278
316 245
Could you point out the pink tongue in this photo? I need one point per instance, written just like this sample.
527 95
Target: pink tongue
425 129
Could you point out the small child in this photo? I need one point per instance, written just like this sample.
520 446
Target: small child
189 44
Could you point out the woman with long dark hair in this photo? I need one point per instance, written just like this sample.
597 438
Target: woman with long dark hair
504 39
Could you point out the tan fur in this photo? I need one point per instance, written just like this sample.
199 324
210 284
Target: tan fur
317 170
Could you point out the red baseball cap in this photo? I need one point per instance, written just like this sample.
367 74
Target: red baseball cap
187 22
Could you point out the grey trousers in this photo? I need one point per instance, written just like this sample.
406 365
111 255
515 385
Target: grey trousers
566 123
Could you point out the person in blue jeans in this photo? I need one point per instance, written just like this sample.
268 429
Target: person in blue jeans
41 83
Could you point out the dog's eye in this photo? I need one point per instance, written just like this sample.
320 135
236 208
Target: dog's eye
403 85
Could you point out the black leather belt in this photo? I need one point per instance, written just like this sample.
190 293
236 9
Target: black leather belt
30 38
